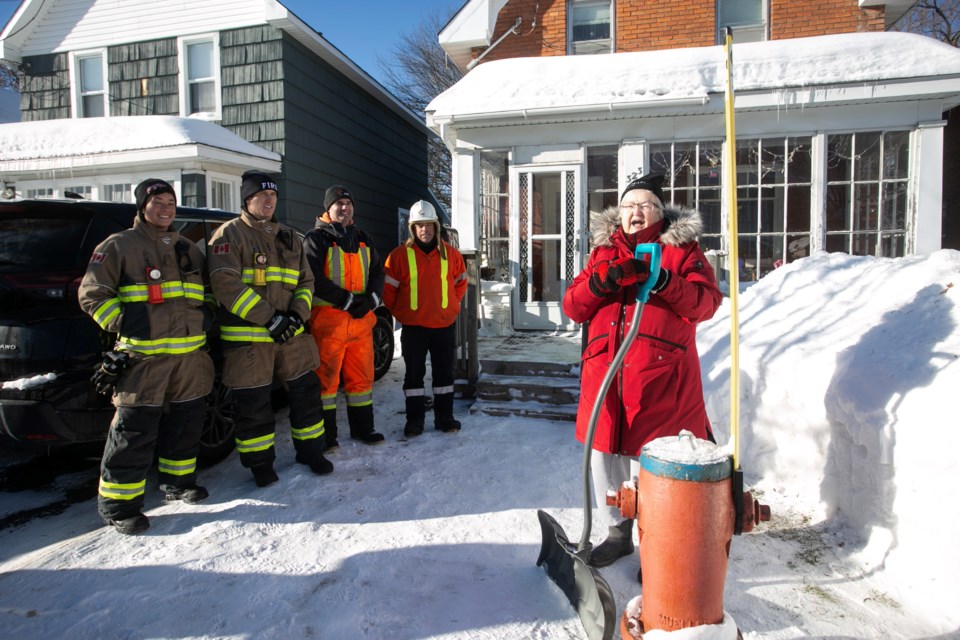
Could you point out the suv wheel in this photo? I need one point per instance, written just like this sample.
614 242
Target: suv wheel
382 346
217 438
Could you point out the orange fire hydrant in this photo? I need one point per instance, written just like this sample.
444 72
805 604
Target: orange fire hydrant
684 504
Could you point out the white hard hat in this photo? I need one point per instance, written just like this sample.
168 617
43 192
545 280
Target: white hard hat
423 211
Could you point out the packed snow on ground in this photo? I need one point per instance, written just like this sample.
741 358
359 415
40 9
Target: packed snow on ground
848 425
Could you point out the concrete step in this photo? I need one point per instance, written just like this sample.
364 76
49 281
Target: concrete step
538 410
504 367
547 389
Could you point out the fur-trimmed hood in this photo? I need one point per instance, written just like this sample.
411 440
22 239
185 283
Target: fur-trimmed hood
683 225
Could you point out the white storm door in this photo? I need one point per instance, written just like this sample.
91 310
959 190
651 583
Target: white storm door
544 247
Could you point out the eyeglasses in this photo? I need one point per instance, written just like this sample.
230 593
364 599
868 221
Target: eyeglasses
646 207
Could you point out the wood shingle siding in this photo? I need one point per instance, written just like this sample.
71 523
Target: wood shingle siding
155 61
45 90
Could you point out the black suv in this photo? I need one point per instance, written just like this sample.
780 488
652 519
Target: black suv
49 347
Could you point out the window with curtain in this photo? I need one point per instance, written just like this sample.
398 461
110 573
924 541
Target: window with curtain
589 26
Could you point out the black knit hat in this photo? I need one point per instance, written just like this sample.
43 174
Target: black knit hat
334 193
149 188
652 182
253 183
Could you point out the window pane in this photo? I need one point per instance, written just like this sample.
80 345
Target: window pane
891 245
771 254
838 208
837 243
839 157
772 161
894 206
747 210
710 210
711 156
747 165
896 152
865 205
863 244
733 12
798 247
590 21
798 208
91 74
92 106
684 156
798 161
867 160
202 98
200 60
116 192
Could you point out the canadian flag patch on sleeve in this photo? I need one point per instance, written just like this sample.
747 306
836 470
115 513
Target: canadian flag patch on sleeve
98 258
221 249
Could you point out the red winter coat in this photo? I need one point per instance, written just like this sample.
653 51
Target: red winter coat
658 391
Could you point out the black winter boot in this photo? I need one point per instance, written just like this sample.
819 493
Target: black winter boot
191 495
130 526
330 430
318 464
361 425
264 475
619 543
443 418
416 408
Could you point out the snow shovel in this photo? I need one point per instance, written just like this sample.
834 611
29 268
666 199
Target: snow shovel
565 564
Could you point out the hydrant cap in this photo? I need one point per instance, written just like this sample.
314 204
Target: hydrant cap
686 457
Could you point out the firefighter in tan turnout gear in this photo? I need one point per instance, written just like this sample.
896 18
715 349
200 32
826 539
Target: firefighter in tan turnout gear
146 284
260 276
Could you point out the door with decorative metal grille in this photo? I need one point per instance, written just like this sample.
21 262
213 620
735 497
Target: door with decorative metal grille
545 245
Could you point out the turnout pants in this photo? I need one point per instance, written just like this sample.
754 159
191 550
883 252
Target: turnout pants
416 342
160 404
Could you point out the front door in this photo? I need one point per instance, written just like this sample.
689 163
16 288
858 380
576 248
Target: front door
545 248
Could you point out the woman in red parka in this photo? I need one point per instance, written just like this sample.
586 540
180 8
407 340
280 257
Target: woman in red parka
658 391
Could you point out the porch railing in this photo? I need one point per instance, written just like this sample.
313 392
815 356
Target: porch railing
466 367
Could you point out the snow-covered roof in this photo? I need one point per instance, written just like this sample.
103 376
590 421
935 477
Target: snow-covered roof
83 136
627 80
99 143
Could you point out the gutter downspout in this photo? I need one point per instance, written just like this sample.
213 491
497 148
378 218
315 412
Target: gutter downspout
513 29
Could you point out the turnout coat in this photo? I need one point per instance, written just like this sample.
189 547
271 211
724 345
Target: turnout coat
658 391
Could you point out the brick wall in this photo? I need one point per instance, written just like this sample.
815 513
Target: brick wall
791 19
646 25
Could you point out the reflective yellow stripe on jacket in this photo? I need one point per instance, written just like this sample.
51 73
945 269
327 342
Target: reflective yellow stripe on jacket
161 345
336 271
168 290
414 280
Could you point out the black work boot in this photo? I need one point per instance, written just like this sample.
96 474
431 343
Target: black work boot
129 526
317 463
443 418
361 425
619 543
330 429
416 408
191 494
264 475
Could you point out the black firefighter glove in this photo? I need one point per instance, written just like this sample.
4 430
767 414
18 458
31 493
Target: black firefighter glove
362 304
283 326
613 275
105 377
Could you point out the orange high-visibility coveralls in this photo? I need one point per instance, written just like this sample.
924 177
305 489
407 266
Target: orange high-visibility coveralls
346 269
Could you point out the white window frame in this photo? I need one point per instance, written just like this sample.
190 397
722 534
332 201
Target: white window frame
233 183
572 46
76 90
746 32
184 82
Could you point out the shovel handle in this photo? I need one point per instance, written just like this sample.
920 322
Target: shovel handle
653 250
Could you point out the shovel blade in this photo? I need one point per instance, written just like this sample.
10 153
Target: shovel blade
583 585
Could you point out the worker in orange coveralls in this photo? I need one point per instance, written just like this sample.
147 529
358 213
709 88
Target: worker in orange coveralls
348 275
425 281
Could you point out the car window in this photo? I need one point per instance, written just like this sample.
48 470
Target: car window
42 242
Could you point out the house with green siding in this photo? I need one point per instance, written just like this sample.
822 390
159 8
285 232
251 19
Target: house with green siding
249 66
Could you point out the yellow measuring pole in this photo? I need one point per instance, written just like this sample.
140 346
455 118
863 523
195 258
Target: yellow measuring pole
730 163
